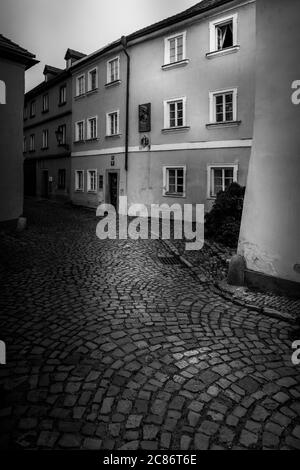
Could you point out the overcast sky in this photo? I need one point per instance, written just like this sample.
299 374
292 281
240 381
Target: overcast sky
48 27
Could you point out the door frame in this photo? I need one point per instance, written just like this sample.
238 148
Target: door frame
107 189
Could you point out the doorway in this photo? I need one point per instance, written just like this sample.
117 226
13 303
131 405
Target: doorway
45 184
113 188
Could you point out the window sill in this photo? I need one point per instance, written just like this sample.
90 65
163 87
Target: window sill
79 142
180 63
114 83
31 117
95 139
92 191
175 129
112 136
44 148
62 104
79 190
78 97
228 50
45 111
175 195
91 92
214 125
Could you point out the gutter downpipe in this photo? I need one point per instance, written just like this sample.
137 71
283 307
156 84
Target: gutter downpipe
124 45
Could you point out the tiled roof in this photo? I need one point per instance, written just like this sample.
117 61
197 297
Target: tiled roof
15 52
75 54
52 70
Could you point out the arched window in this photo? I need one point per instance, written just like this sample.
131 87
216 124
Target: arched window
2 92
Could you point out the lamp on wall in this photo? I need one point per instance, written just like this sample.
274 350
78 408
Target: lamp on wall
59 137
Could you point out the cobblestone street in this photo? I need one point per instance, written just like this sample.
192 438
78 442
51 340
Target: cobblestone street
108 347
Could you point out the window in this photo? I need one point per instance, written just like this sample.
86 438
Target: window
79 180
175 48
113 71
92 180
45 136
92 128
24 144
80 85
174 181
63 130
100 182
112 123
63 94
174 113
223 106
220 177
32 109
223 33
79 131
2 92
32 143
45 103
92 80
61 179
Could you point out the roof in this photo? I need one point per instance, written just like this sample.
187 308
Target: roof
75 54
13 51
52 70
198 8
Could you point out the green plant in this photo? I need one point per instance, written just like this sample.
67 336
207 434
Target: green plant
223 222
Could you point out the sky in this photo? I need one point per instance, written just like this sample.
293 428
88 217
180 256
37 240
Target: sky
47 28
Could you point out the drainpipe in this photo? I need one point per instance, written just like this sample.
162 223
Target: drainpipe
124 45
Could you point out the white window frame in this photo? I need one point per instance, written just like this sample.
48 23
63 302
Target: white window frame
210 184
117 58
89 180
77 131
167 48
77 188
77 85
166 180
32 142
213 41
167 112
45 100
45 138
108 127
89 87
88 127
212 105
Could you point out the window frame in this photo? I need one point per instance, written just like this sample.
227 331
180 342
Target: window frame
100 188
88 129
77 131
89 87
45 139
32 143
213 41
89 179
60 101
166 191
167 48
222 166
108 70
212 105
45 98
77 188
167 112
108 126
77 85
32 110
63 129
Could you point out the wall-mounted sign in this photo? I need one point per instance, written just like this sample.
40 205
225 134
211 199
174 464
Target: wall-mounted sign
145 117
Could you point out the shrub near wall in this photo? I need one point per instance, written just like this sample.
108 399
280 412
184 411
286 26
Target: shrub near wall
222 223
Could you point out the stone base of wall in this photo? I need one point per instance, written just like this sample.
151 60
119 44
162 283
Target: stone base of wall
267 283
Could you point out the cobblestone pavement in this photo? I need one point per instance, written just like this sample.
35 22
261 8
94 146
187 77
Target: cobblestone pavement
110 348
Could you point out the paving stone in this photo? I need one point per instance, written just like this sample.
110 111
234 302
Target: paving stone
134 421
248 439
201 442
69 441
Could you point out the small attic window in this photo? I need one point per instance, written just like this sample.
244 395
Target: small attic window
2 92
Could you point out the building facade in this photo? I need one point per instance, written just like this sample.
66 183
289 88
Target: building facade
14 60
190 115
47 133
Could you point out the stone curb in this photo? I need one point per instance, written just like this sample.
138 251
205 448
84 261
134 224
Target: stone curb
220 289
